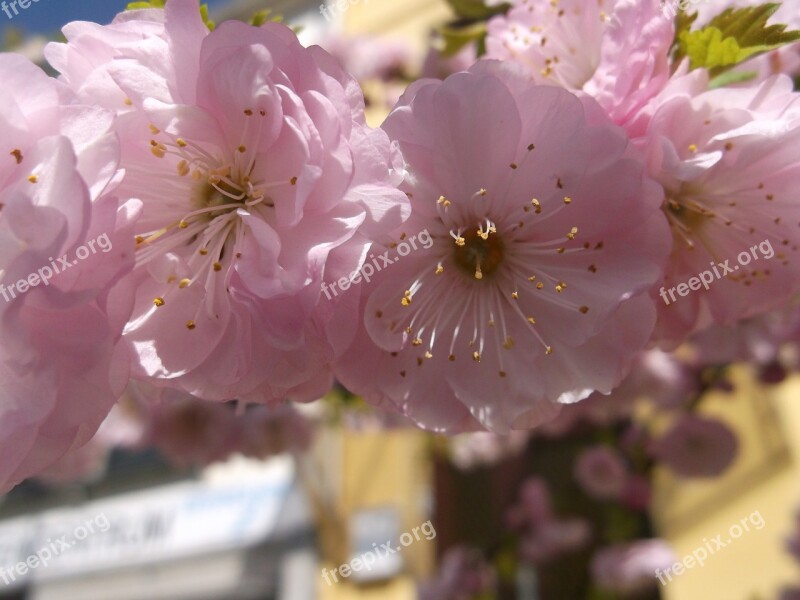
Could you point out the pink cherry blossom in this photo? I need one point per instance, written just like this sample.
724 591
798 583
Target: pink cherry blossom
601 472
529 295
596 410
259 181
630 568
728 163
85 62
617 52
696 446
62 364
655 375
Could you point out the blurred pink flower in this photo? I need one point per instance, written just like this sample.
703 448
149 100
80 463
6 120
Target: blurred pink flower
665 379
62 363
370 57
601 472
637 493
696 447
757 340
616 52
552 539
260 181
438 66
463 575
793 543
188 431
727 160
544 537
654 375
271 430
630 568
534 505
528 295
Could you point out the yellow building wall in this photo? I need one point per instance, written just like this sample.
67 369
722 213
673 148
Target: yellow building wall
408 20
375 469
756 565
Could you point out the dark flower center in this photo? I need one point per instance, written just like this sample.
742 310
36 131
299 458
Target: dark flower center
480 255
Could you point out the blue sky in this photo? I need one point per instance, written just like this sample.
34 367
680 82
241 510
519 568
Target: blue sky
48 16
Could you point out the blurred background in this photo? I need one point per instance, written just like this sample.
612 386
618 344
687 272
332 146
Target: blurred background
683 485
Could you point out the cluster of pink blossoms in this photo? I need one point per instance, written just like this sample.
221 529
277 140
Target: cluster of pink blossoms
568 182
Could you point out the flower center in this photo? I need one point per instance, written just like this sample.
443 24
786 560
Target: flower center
199 216
480 254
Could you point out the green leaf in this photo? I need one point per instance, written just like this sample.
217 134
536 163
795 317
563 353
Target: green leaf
733 37
456 38
265 16
707 48
749 26
150 4
476 10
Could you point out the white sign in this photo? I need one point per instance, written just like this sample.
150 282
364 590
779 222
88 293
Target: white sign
159 524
